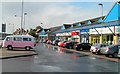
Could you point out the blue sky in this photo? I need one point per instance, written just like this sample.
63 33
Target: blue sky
51 13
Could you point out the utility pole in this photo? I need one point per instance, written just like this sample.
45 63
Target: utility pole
102 22
22 18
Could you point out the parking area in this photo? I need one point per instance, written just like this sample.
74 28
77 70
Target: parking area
86 52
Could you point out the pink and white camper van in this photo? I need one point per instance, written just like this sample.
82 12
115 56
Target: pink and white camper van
18 41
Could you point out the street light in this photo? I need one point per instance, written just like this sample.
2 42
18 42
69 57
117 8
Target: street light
100 4
21 17
20 22
24 20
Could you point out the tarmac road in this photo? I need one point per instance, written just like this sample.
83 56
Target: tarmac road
56 59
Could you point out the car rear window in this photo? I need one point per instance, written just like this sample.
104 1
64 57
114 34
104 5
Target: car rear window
96 44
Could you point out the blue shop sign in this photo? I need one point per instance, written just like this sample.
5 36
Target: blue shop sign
84 32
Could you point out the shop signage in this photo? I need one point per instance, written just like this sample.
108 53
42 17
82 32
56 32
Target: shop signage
68 34
103 30
75 33
83 32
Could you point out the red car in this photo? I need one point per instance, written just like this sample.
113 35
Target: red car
63 44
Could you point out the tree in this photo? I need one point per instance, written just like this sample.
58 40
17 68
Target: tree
38 29
33 32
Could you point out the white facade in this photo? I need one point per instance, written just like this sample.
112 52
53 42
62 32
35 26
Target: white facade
106 30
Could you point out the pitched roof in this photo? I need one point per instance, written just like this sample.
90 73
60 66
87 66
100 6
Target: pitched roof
67 25
55 28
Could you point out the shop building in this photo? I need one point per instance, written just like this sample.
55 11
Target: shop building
48 33
108 32
105 29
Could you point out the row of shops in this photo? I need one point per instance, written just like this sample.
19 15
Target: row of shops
108 35
105 29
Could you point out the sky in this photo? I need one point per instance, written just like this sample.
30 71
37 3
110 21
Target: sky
51 14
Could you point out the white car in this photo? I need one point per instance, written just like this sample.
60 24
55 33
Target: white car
97 47
59 43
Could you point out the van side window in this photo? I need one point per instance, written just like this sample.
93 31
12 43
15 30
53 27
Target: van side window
8 39
17 38
26 39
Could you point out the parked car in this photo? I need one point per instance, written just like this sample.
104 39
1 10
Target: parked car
53 42
45 41
56 42
59 43
70 44
119 52
110 50
97 47
18 41
82 46
62 43
49 42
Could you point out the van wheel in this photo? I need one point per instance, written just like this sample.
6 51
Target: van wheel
10 47
27 48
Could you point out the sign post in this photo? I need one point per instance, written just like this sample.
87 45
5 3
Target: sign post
3 31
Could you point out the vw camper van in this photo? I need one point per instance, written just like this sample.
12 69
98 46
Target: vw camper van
18 41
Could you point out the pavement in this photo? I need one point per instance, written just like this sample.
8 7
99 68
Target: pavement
6 54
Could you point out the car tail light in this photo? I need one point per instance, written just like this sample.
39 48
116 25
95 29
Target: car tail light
96 48
76 45
108 49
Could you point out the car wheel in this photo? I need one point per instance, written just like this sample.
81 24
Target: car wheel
98 52
10 47
115 55
70 47
93 52
27 48
81 49
77 49
107 55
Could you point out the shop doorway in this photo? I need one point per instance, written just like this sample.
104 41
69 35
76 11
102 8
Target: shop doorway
95 40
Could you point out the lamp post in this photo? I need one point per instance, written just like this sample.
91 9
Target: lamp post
24 20
20 21
100 4
41 37
21 18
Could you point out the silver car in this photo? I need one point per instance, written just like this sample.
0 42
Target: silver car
110 50
119 52
95 49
